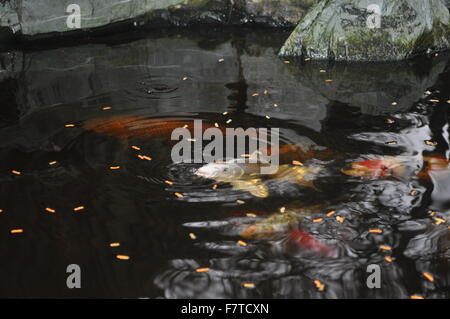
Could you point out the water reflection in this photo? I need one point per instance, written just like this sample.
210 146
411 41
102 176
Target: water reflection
88 126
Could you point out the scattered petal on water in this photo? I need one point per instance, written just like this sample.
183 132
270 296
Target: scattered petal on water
202 269
221 60
340 219
298 163
192 235
394 103
240 202
114 167
282 209
123 257
250 215
428 276
179 195
16 172
328 80
168 182
390 121
416 297
229 121
320 286
77 209
255 94
331 213
413 192
185 78
434 100
137 148
249 285
318 220
375 231
52 163
114 244
50 210
145 157
385 247
242 243
431 143
439 220
106 108
388 259
16 231
70 125
391 143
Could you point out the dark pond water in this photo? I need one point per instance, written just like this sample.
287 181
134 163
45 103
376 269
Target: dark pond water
70 114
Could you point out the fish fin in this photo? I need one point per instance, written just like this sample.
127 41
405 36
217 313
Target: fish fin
254 187
304 176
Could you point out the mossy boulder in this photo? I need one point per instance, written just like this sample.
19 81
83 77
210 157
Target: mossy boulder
370 30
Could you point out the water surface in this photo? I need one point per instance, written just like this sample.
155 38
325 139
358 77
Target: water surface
357 112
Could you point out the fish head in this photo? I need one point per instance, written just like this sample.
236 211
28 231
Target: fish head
220 171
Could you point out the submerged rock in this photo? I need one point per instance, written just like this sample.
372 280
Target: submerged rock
375 30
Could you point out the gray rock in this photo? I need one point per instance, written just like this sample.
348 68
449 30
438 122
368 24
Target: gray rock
349 30
48 16
275 12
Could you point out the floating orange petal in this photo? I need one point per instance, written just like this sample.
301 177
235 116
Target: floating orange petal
123 257
319 285
428 276
202 269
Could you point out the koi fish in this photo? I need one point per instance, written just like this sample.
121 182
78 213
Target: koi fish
287 222
127 126
245 175
376 168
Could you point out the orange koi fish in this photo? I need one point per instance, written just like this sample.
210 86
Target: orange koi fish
376 168
127 126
